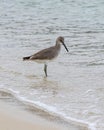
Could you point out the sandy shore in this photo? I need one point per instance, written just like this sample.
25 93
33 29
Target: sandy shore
15 119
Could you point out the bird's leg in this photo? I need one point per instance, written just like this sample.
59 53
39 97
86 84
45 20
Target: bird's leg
45 69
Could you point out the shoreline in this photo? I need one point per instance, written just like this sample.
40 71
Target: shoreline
15 118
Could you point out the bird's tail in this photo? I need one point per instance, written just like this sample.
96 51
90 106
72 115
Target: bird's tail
26 58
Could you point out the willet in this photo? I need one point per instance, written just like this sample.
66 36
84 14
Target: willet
47 54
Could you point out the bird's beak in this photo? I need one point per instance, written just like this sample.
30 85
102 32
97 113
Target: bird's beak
65 47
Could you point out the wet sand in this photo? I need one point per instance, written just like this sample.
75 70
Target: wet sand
12 118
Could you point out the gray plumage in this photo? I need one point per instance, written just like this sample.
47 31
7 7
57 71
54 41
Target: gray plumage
48 53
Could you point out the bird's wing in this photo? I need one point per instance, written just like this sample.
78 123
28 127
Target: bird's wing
44 54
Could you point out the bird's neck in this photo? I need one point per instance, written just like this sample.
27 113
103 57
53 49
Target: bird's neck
58 45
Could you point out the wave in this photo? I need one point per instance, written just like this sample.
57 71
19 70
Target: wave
49 110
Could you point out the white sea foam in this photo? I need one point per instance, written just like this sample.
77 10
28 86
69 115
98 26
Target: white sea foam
53 110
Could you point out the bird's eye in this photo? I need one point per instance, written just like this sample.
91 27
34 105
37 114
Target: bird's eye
62 40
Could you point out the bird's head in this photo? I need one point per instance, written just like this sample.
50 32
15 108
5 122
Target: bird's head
61 40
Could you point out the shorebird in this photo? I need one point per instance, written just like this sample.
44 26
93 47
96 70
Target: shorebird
48 54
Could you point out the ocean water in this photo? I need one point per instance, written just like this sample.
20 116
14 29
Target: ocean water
74 89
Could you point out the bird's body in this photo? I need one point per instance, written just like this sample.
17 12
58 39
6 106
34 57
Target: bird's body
47 54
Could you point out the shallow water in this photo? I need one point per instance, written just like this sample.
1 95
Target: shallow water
74 88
